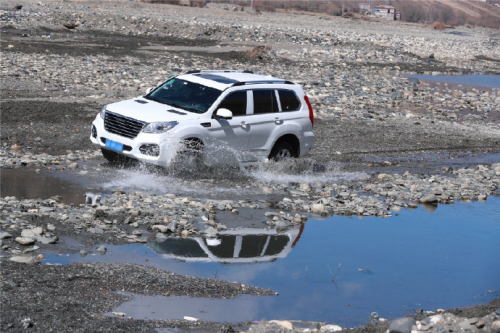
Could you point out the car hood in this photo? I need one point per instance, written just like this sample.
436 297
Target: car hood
150 111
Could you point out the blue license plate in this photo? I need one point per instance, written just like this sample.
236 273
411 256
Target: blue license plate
114 145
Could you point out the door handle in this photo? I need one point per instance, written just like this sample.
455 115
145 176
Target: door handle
278 120
244 124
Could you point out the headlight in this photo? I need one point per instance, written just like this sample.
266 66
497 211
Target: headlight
159 127
103 112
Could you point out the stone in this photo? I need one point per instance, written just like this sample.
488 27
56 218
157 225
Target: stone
374 315
119 314
401 325
73 165
318 208
495 326
187 318
282 323
160 228
4 235
23 259
331 328
384 176
430 198
160 236
25 240
102 249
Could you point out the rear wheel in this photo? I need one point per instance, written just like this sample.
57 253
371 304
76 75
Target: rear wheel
282 151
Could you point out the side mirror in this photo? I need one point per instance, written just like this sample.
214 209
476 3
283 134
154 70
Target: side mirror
150 89
223 114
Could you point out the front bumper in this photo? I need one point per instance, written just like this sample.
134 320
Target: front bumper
166 143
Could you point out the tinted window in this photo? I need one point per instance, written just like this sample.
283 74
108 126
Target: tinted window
186 95
264 101
236 103
289 101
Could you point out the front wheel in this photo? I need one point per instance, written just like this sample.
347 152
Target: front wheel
113 157
282 151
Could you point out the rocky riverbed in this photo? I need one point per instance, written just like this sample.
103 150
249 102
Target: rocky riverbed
370 114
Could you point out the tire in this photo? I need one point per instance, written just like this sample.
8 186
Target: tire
191 153
282 151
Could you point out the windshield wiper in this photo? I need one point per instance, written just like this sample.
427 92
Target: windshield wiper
155 99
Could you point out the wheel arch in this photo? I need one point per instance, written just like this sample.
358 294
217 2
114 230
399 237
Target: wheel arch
291 139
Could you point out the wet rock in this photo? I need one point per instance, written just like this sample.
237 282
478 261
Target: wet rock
401 325
318 208
73 165
102 249
431 198
331 328
284 324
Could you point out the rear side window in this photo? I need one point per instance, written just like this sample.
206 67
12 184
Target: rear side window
235 102
264 101
289 101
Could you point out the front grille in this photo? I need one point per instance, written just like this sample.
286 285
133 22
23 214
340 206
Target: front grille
124 126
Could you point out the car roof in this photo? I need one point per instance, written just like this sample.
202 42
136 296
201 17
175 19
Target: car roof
222 80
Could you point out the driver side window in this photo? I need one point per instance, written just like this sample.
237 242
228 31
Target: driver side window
235 102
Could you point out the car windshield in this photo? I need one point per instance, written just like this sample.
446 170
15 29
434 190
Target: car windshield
186 95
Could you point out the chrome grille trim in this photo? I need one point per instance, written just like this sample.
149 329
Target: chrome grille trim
121 125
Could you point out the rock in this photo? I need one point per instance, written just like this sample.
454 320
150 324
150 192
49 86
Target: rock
160 228
401 325
73 165
23 259
26 323
318 208
187 318
160 236
25 240
119 314
384 176
331 328
374 315
4 235
495 326
431 198
185 233
282 323
102 249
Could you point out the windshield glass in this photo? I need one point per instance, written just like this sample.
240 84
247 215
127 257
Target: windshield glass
186 95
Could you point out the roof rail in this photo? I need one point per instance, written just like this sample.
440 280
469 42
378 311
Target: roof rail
219 71
242 83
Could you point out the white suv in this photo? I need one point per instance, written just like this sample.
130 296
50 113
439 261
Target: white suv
228 115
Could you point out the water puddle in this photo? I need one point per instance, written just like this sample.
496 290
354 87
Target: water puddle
473 80
337 270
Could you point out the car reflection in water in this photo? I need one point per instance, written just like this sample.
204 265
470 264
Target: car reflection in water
233 246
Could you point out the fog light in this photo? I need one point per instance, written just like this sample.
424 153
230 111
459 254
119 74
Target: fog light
150 149
94 132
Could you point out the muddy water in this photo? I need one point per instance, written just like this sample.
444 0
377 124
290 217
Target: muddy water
337 270
220 183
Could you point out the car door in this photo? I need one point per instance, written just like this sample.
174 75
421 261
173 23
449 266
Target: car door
266 119
230 136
